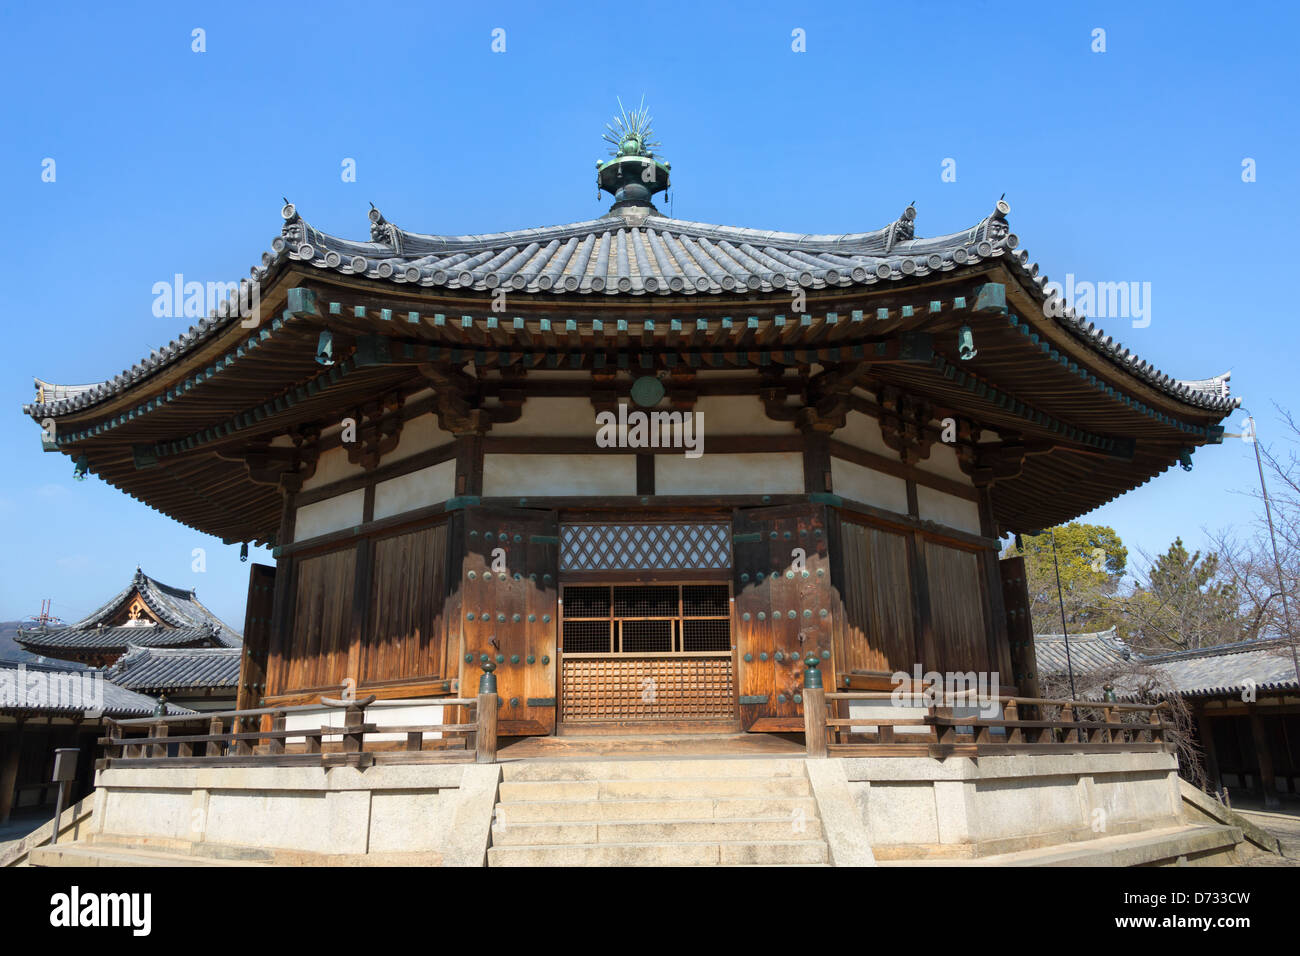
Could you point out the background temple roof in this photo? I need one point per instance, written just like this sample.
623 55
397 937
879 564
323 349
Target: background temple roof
117 701
158 670
1265 665
185 621
177 607
1093 651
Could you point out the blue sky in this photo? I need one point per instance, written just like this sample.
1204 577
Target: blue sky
1119 166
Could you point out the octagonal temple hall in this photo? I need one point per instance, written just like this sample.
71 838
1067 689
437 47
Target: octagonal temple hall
634 451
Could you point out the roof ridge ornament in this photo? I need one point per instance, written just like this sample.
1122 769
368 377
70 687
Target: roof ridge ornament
384 232
902 229
634 173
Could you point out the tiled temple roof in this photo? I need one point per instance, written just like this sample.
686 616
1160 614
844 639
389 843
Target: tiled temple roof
118 701
114 638
635 253
155 670
1266 665
1091 651
175 606
185 622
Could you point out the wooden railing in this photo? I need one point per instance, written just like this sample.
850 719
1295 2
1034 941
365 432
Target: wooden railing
232 739
933 728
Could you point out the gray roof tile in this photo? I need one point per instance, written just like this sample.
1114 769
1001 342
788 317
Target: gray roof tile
158 670
634 253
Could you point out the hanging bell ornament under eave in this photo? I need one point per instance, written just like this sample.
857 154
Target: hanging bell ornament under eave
325 348
966 344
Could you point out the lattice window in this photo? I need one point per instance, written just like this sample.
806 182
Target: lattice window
646 618
645 547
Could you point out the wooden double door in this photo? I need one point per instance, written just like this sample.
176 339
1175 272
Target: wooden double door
507 607
643 648
784 603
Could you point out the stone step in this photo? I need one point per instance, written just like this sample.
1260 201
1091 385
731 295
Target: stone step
770 853
101 854
683 808
740 830
654 788
658 769
219 851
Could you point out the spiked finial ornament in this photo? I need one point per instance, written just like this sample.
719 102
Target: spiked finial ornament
634 172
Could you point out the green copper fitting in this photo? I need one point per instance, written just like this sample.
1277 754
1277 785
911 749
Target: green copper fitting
812 677
487 684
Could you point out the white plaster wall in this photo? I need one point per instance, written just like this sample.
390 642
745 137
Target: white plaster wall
857 483
332 514
428 486
947 510
510 476
573 417
392 713
749 474
739 415
862 431
419 434
942 460
332 466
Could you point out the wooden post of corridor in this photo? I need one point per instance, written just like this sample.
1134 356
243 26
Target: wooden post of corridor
814 708
485 734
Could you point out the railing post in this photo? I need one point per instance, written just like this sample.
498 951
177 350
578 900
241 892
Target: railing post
814 708
354 719
1067 716
485 733
1011 713
214 730
275 745
158 750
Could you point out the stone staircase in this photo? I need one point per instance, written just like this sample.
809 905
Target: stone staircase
657 812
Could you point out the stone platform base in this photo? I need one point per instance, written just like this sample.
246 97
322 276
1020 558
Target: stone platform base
1024 810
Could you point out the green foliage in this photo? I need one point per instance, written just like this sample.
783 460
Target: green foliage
1182 601
1091 560
1185 602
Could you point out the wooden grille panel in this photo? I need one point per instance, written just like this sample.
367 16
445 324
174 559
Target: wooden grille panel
653 688
645 547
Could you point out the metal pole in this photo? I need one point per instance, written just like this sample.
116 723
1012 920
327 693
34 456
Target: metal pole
1277 562
1060 597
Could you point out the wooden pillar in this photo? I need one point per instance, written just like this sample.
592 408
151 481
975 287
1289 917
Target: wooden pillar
9 772
1266 778
645 474
469 464
816 462
1205 731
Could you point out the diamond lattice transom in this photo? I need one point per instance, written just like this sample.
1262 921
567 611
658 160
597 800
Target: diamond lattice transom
645 547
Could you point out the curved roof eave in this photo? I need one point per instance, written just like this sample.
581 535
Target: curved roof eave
643 255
